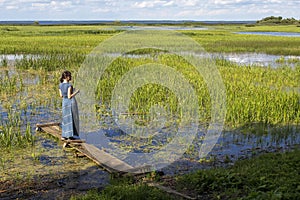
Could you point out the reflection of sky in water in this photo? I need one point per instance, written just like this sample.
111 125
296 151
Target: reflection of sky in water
231 145
284 34
259 59
33 115
162 28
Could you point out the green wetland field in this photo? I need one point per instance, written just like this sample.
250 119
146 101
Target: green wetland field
256 157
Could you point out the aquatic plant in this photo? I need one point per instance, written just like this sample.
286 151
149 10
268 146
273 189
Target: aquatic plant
254 94
268 176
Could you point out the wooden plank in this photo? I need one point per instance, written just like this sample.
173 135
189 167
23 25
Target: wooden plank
100 157
106 159
141 169
73 141
53 131
48 124
90 156
170 191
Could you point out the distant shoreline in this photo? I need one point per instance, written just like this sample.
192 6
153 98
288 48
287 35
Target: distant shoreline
121 22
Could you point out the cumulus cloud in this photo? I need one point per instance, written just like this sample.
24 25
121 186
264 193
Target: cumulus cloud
150 9
101 10
50 5
151 4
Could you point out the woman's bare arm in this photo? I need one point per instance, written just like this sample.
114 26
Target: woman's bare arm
70 94
60 93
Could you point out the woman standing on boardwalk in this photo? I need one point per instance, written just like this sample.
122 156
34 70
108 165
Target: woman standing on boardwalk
70 121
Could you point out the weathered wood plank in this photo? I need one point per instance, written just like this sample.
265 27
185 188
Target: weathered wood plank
53 131
48 124
170 191
100 157
106 159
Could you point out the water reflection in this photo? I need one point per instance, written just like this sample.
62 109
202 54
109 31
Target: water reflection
242 59
284 34
230 147
162 28
258 59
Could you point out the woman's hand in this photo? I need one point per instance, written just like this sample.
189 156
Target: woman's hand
73 94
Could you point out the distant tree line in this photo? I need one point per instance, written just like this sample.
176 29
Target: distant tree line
278 20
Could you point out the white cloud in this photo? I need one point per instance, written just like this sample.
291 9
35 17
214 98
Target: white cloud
11 7
147 9
151 4
101 10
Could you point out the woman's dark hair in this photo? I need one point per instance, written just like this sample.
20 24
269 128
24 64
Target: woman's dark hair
64 75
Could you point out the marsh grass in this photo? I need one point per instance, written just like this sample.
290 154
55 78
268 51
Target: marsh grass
126 189
224 39
82 39
270 176
254 94
50 62
20 101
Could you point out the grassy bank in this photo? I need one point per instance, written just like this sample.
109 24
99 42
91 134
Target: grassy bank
270 176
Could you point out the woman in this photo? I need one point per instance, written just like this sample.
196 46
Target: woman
70 121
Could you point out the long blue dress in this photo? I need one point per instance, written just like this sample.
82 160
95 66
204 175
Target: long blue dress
70 119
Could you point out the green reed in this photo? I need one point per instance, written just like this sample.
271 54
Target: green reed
83 39
8 83
254 94
11 135
20 102
51 62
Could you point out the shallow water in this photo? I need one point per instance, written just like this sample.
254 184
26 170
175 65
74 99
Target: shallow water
258 59
284 34
231 146
242 59
162 28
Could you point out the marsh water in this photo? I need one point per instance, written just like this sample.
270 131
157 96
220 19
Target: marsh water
243 59
231 146
283 34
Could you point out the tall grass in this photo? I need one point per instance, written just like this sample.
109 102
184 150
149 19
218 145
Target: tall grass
11 135
254 94
19 102
82 39
51 61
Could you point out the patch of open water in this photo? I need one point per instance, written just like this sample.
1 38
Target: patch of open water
230 147
162 28
242 59
258 59
284 34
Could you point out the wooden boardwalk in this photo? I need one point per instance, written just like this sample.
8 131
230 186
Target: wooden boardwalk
99 156
104 159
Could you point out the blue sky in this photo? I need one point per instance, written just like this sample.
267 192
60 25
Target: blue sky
147 9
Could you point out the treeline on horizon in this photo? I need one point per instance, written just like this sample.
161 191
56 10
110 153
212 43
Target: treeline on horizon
271 20
278 20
